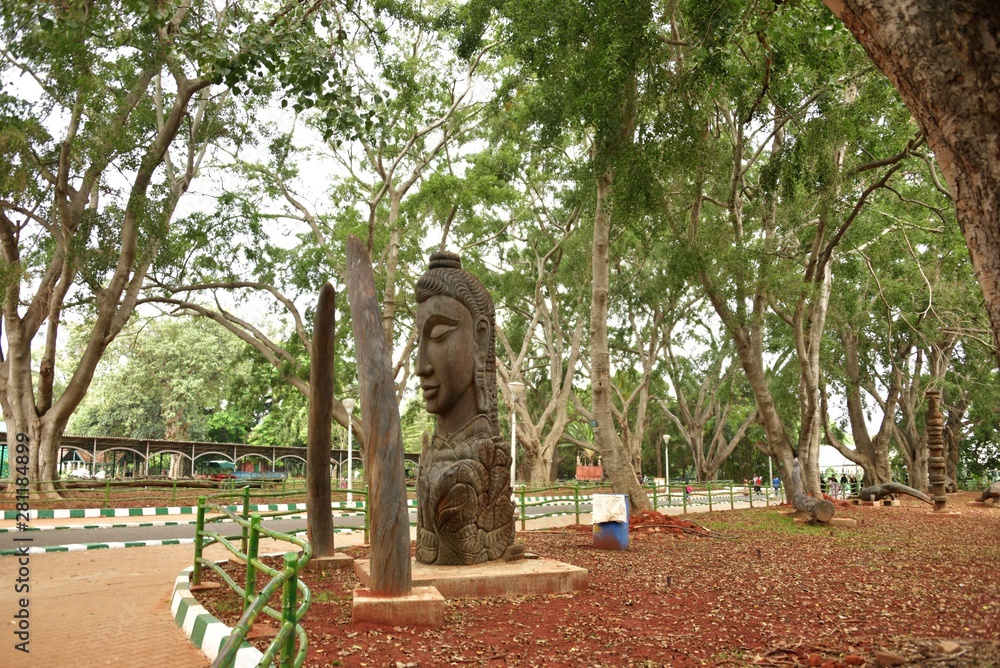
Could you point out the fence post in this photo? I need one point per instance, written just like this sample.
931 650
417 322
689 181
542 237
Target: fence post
173 493
685 497
246 516
364 502
199 527
522 508
288 606
731 501
576 500
107 494
767 499
654 496
709 496
251 554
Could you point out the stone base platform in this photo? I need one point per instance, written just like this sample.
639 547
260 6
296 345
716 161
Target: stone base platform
335 562
984 504
423 607
498 578
947 512
876 504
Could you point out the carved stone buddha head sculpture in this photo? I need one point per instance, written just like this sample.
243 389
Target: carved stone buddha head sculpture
456 362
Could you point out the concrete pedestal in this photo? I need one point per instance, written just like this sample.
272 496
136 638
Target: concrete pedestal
876 504
334 562
947 512
424 606
496 578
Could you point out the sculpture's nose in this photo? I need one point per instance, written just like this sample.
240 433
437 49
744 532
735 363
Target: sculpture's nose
423 365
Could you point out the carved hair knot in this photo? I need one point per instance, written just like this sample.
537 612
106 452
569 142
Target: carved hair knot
445 260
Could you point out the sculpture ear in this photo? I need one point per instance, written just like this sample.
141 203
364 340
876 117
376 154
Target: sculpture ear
482 335
482 340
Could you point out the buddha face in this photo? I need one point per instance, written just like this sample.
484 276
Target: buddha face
446 360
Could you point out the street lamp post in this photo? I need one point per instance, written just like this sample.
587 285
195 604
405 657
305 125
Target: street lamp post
770 472
516 389
666 461
349 407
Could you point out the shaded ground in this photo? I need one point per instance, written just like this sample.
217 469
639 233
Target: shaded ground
767 592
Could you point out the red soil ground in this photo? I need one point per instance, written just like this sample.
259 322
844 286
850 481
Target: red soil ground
757 590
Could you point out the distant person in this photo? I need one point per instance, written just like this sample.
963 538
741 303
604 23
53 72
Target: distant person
777 485
843 484
854 485
756 484
687 492
831 486
746 486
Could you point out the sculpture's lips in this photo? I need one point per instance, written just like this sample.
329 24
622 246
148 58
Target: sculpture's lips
430 391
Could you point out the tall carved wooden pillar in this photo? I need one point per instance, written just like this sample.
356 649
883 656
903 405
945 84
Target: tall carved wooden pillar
390 519
935 446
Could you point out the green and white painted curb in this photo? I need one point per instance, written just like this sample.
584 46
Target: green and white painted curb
133 525
81 513
122 525
83 547
206 632
112 545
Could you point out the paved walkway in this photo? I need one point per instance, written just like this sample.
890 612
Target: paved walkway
112 607
99 609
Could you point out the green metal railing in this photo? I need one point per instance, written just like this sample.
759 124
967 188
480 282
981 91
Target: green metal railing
291 634
715 494
126 493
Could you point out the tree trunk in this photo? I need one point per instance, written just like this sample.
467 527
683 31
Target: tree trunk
562 364
916 465
541 468
606 440
953 429
871 453
912 435
809 321
750 350
945 62
817 507
747 329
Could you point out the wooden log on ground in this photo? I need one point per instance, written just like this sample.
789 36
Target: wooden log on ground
991 492
879 492
319 520
390 519
817 508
